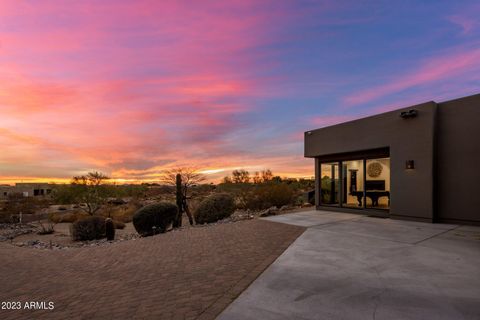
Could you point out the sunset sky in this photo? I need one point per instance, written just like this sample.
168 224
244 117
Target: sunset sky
131 88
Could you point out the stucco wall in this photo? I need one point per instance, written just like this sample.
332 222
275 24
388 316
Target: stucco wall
458 164
408 139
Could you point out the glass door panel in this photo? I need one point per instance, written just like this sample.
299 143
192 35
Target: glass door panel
377 183
330 183
353 178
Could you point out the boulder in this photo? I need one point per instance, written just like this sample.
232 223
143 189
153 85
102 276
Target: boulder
269 212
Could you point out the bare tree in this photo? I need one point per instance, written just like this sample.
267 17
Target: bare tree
240 176
189 177
267 175
90 190
256 178
227 179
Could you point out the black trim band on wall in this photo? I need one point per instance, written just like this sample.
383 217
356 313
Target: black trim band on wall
355 155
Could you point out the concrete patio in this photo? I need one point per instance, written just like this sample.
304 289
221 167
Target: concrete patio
347 266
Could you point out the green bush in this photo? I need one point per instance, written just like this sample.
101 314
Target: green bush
159 215
214 208
90 228
269 195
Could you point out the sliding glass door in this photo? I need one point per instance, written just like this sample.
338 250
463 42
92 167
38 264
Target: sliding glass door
357 183
353 178
330 183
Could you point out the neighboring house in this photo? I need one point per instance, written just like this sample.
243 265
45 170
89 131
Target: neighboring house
26 189
419 163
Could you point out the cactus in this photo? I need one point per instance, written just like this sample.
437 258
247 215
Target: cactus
90 228
109 229
159 215
179 197
215 207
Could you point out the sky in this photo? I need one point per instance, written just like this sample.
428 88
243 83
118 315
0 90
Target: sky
132 88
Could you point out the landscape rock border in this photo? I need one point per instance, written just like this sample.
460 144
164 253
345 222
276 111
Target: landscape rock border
15 230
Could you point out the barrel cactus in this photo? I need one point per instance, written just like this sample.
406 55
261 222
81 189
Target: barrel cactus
154 218
90 228
214 208
110 229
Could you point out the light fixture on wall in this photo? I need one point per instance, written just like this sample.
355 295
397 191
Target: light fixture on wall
412 113
409 165
309 133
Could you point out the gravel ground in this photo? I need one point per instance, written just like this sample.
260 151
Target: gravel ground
189 274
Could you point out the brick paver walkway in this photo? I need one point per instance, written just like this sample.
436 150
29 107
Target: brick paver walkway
190 274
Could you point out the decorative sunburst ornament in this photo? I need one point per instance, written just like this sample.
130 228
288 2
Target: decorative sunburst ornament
374 169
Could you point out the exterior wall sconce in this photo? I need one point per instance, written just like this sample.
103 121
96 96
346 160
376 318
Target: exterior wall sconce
409 165
412 113
309 133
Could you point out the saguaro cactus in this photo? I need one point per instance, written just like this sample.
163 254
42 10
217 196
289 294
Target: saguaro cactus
179 195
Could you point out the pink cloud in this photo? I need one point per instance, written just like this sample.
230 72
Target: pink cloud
24 98
465 62
467 24
103 122
466 19
132 87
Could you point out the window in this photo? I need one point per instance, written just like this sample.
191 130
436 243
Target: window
353 179
330 183
377 183
358 183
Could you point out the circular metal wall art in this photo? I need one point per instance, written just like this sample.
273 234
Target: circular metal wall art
374 169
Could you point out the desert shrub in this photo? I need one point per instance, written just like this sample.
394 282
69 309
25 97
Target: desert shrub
6 217
16 203
131 191
119 224
67 217
240 191
122 213
214 208
125 214
90 228
154 218
47 227
269 195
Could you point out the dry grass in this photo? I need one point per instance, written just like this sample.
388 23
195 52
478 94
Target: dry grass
67 217
71 217
118 224
122 213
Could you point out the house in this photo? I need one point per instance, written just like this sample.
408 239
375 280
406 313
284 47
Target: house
26 189
418 163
